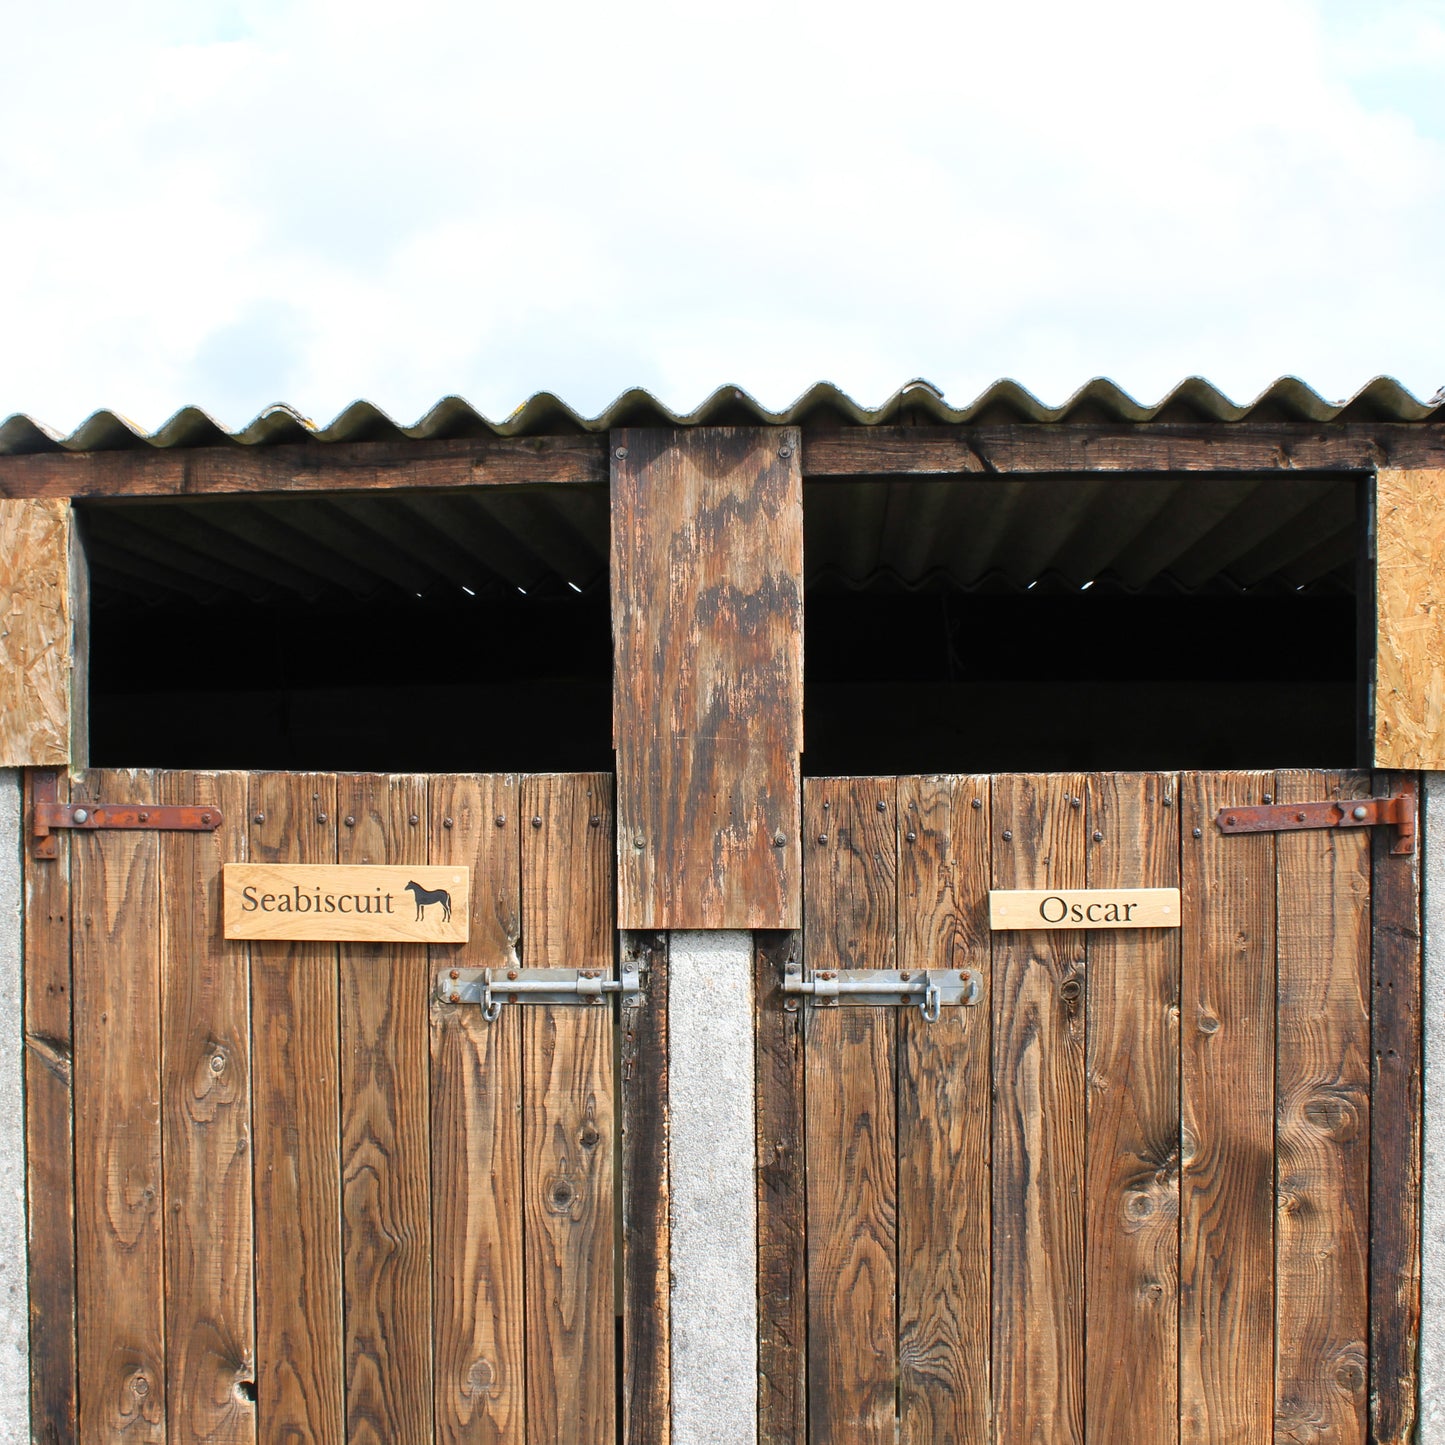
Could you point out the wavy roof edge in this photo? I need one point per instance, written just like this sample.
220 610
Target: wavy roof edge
1100 400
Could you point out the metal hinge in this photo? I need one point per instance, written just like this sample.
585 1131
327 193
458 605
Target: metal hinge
492 987
94 817
930 988
1398 812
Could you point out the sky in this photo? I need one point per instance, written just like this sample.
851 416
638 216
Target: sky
233 203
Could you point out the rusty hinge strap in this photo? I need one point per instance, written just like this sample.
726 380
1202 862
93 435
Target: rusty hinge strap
1398 812
157 817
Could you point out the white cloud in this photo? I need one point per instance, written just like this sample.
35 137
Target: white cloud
313 201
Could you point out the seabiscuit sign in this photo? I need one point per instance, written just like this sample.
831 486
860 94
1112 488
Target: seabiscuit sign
1010 908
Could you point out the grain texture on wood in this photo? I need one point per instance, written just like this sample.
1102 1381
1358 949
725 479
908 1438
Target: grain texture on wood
1322 1121
944 1087
707 598
49 1138
1395 1140
646 1233
1409 597
1226 1204
1038 835
1131 1267
309 467
119 1256
567 1133
385 1135
300 1389
1148 447
782 1200
477 1131
35 633
206 1118
852 1168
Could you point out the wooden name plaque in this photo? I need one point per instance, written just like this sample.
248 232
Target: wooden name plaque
336 903
1010 908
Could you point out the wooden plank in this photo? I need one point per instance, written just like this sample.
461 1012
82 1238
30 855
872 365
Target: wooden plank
1038 832
1409 595
119 1261
295 1019
206 1124
477 1131
567 1131
646 1231
944 1087
1395 1143
1022 448
49 1137
35 633
385 1133
1322 1121
566 458
1131 1264
413 903
707 617
852 1169
1226 1185
782 1228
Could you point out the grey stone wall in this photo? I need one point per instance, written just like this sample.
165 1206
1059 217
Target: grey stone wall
1432 1325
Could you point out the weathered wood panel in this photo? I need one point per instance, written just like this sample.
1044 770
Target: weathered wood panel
35 633
1409 598
119 1254
1038 829
1131 1268
1227 1002
49 1138
206 1118
944 1088
295 1022
707 599
1322 1120
782 1198
309 467
646 1230
477 1131
1395 1139
385 1135
567 1132
1022 448
852 1169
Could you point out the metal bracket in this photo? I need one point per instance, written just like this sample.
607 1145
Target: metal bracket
94 817
1398 812
930 988
492 987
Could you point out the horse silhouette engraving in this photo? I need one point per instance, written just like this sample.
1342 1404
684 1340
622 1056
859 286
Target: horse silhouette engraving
423 897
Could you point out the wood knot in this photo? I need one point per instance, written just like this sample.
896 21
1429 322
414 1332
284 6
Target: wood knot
480 1377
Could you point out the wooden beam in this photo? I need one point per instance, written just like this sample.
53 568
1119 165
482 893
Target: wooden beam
307 467
707 624
36 633
873 451
1409 608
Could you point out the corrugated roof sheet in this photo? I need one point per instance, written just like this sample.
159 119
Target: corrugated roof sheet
1194 400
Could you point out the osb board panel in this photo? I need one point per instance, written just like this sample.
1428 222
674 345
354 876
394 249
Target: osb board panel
707 609
35 633
1410 624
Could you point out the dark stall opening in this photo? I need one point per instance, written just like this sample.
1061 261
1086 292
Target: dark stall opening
388 632
1085 622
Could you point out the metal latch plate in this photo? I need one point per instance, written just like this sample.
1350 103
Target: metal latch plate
493 987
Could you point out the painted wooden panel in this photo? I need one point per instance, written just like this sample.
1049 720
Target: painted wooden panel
35 633
1409 608
707 599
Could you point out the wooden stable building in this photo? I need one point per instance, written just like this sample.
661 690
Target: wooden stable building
485 980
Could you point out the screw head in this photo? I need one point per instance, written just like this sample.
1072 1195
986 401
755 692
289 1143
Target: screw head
455 974
1008 837
1299 817
1231 820
500 820
639 841
1199 832
259 818
882 807
512 975
446 822
413 819
144 817
456 998
218 1063
905 975
321 817
350 821
537 821
823 838
595 821
977 803
1267 798
1167 800
205 818
912 836
1098 836
780 839
785 452
621 454
1076 802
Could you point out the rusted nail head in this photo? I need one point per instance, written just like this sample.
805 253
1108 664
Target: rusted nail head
205 818
1299 817
455 973
145 817
456 998
512 975
1230 821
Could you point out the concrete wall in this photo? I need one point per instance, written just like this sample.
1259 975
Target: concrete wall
712 1150
14 1294
1432 1325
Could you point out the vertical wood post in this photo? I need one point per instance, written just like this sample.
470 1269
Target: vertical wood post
707 618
